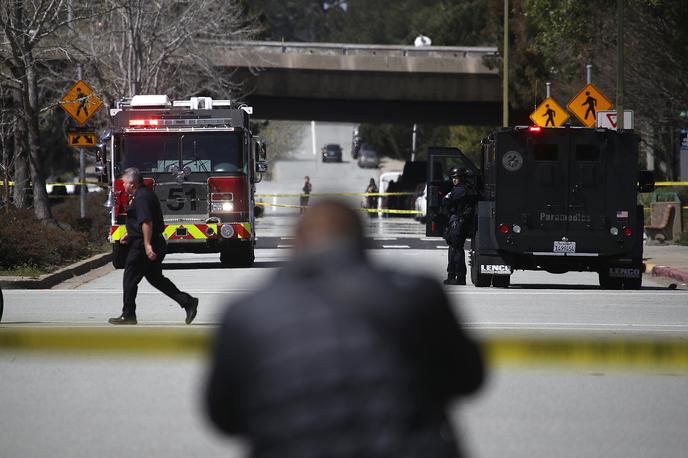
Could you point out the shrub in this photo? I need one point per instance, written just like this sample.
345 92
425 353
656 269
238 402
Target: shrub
25 241
68 212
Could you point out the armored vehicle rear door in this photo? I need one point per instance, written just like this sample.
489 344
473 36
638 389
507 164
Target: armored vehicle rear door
557 190
440 161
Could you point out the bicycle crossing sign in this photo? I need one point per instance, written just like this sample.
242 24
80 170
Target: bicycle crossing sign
587 103
80 103
549 113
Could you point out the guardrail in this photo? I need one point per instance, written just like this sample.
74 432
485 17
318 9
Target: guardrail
353 49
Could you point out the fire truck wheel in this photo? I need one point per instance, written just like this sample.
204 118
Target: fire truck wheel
119 255
237 254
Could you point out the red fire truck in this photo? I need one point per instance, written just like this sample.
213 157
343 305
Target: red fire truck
200 159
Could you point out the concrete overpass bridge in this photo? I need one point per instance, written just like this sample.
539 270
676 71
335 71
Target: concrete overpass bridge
365 83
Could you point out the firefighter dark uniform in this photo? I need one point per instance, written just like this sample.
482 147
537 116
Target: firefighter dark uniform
458 204
144 206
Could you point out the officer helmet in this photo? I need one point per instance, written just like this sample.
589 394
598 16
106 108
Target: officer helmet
456 172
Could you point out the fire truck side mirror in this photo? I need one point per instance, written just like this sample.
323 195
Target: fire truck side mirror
261 166
101 162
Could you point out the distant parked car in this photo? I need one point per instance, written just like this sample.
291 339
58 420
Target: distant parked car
386 179
331 153
367 158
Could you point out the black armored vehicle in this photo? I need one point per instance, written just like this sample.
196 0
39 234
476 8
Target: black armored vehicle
557 199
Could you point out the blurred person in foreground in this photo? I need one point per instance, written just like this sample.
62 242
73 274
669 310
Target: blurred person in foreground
336 357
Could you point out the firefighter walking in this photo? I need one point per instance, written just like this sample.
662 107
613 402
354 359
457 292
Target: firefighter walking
459 204
146 250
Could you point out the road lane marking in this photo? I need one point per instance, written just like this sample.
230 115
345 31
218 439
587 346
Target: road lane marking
384 238
395 246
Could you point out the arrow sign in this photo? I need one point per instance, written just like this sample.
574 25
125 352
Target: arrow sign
607 119
82 139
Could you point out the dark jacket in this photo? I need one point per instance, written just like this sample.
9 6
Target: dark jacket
144 206
337 358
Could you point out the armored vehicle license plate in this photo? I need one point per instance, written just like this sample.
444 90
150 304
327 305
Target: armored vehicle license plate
564 247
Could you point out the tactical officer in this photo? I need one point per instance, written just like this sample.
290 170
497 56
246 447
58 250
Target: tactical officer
459 204
146 250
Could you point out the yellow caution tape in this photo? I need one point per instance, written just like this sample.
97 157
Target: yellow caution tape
369 210
627 354
661 355
341 194
671 183
73 183
97 340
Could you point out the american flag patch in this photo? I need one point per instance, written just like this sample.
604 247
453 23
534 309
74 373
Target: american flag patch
622 214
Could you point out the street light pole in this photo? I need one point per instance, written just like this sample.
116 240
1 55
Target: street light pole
505 70
619 65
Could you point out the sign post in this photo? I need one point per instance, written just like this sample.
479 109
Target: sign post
587 103
81 104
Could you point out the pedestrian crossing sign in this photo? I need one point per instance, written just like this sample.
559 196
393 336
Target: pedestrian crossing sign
549 114
587 103
80 103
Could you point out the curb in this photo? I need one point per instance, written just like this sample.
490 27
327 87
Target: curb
49 280
664 271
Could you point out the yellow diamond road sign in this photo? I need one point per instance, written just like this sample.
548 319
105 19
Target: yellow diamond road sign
82 139
549 113
587 103
80 103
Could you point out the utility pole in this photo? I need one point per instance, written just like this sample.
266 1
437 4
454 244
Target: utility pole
82 162
505 70
619 65
413 142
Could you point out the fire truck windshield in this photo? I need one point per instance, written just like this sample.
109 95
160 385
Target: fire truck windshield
200 151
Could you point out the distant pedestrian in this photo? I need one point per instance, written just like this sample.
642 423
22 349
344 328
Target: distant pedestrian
337 357
371 201
146 250
305 193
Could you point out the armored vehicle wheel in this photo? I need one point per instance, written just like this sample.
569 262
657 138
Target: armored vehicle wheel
501 281
633 283
119 255
237 254
606 282
478 279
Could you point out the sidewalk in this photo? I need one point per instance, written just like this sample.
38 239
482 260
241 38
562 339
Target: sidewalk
49 280
667 260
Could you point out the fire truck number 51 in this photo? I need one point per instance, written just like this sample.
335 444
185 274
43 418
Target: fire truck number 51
175 199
